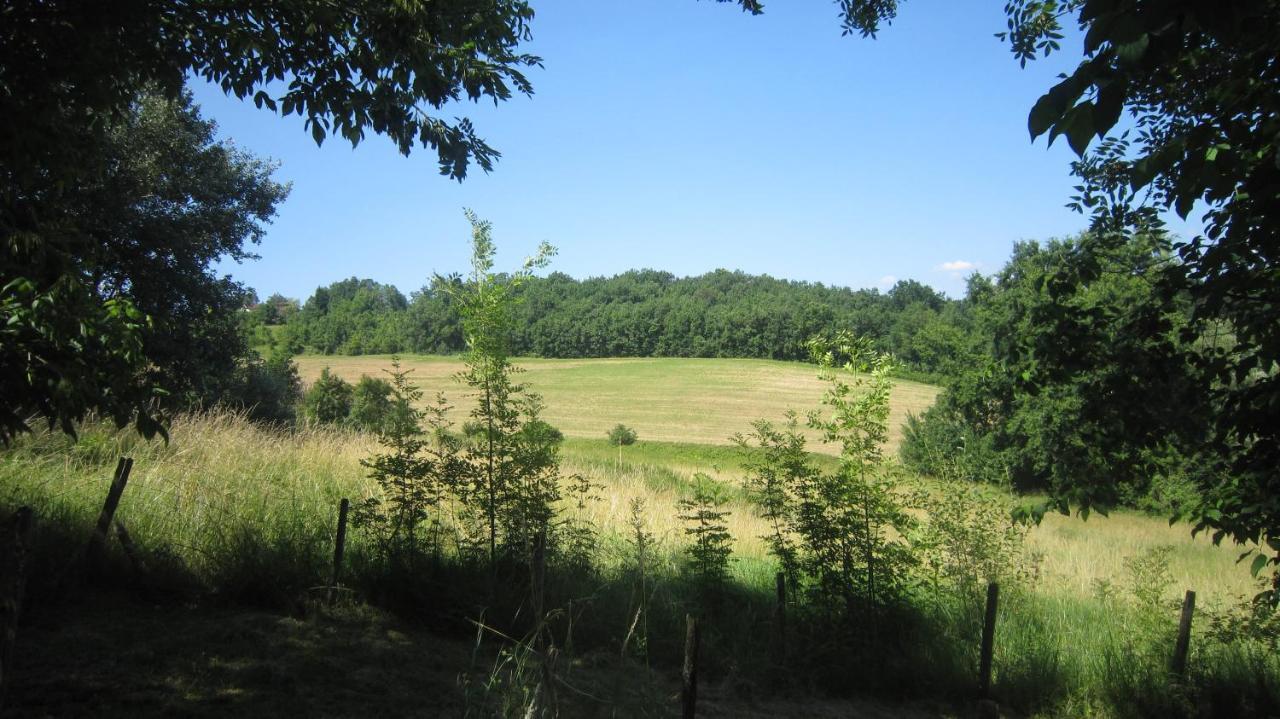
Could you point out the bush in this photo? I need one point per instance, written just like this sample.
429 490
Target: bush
1173 490
968 539
371 404
267 390
419 464
622 435
938 445
329 399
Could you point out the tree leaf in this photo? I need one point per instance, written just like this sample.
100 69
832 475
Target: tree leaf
1259 562
1130 54
1051 106
1110 104
1078 127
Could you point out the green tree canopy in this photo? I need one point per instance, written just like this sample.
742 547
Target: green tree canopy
1076 381
1202 85
112 296
73 76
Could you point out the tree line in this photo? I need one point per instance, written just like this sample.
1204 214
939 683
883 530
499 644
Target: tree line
644 313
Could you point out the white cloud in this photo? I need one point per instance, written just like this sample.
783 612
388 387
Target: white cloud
886 282
958 266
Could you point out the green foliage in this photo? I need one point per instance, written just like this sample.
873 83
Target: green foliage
1149 577
351 317
420 465
575 537
1250 620
108 298
851 520
117 203
937 444
373 402
650 314
773 478
89 355
710 545
275 310
1057 654
1088 391
861 16
640 550
842 531
513 477
1200 83
968 539
328 401
622 435
268 390
346 69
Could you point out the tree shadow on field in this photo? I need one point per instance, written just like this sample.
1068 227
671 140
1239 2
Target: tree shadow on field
112 656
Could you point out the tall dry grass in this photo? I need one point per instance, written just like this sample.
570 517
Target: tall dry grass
239 506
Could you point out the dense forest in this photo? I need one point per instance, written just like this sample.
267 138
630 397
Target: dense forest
641 313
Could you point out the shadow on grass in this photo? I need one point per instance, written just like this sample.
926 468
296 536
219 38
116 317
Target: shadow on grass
240 633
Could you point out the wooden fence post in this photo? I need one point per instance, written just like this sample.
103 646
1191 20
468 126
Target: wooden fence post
97 543
689 692
339 548
537 576
1179 663
130 549
13 580
780 620
988 641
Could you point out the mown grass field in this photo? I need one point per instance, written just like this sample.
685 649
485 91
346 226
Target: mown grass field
700 401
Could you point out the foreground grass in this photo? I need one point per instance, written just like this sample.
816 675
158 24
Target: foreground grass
248 513
700 401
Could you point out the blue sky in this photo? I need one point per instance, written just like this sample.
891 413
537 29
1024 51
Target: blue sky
687 136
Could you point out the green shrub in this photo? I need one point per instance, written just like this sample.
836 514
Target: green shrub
329 399
621 435
267 390
937 444
968 539
371 404
712 545
418 465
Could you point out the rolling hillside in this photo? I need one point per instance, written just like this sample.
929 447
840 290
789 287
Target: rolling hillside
703 401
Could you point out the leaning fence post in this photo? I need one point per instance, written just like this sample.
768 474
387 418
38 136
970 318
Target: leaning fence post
689 692
988 641
97 542
339 547
1179 664
12 585
130 549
